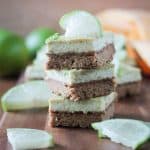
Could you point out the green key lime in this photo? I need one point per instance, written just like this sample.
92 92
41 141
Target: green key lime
4 34
13 53
36 39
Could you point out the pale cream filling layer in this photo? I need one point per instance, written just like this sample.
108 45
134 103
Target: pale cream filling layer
127 74
98 104
78 45
81 75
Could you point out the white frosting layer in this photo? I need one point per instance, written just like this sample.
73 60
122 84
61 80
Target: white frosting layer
98 104
77 45
128 74
34 72
80 76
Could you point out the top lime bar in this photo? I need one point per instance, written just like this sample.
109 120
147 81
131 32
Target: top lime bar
82 46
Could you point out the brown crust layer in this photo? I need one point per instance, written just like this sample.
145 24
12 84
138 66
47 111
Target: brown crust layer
129 89
87 60
79 119
82 91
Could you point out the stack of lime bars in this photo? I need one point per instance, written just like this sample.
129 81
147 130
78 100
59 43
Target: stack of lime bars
79 72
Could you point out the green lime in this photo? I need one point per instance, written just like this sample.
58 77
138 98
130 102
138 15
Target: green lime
25 138
13 53
36 39
4 33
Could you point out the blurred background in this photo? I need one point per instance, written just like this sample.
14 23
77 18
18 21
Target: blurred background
22 16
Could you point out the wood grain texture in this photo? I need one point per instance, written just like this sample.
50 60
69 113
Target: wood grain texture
24 15
137 107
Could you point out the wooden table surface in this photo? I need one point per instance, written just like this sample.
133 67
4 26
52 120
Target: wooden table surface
22 17
137 107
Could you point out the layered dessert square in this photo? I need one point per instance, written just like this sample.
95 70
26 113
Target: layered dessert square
128 77
66 113
82 84
79 72
79 53
128 80
36 71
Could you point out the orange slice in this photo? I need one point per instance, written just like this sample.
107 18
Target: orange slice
141 52
123 21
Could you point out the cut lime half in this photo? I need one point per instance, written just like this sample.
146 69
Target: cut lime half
80 24
33 94
22 138
131 133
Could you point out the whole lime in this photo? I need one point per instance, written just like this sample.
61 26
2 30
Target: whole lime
36 39
13 54
4 33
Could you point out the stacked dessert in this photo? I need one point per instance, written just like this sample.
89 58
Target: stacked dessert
128 76
79 72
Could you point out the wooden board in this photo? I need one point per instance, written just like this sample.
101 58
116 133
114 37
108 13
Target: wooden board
137 107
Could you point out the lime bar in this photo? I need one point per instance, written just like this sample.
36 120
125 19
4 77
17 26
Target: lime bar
64 112
82 46
33 94
79 71
22 138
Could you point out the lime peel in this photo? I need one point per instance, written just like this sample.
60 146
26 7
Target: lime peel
131 133
23 138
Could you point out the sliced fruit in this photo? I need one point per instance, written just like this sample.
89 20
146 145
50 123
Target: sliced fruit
144 17
128 132
80 24
33 94
22 138
123 21
140 50
36 39
13 53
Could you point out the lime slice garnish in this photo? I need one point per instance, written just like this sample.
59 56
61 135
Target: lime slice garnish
21 138
131 133
80 24
33 94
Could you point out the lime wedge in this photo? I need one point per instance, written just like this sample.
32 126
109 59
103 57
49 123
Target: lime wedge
131 133
33 94
80 24
21 138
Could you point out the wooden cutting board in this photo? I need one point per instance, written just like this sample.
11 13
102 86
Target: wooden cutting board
137 107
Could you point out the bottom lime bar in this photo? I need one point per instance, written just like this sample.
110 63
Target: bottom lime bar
67 113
